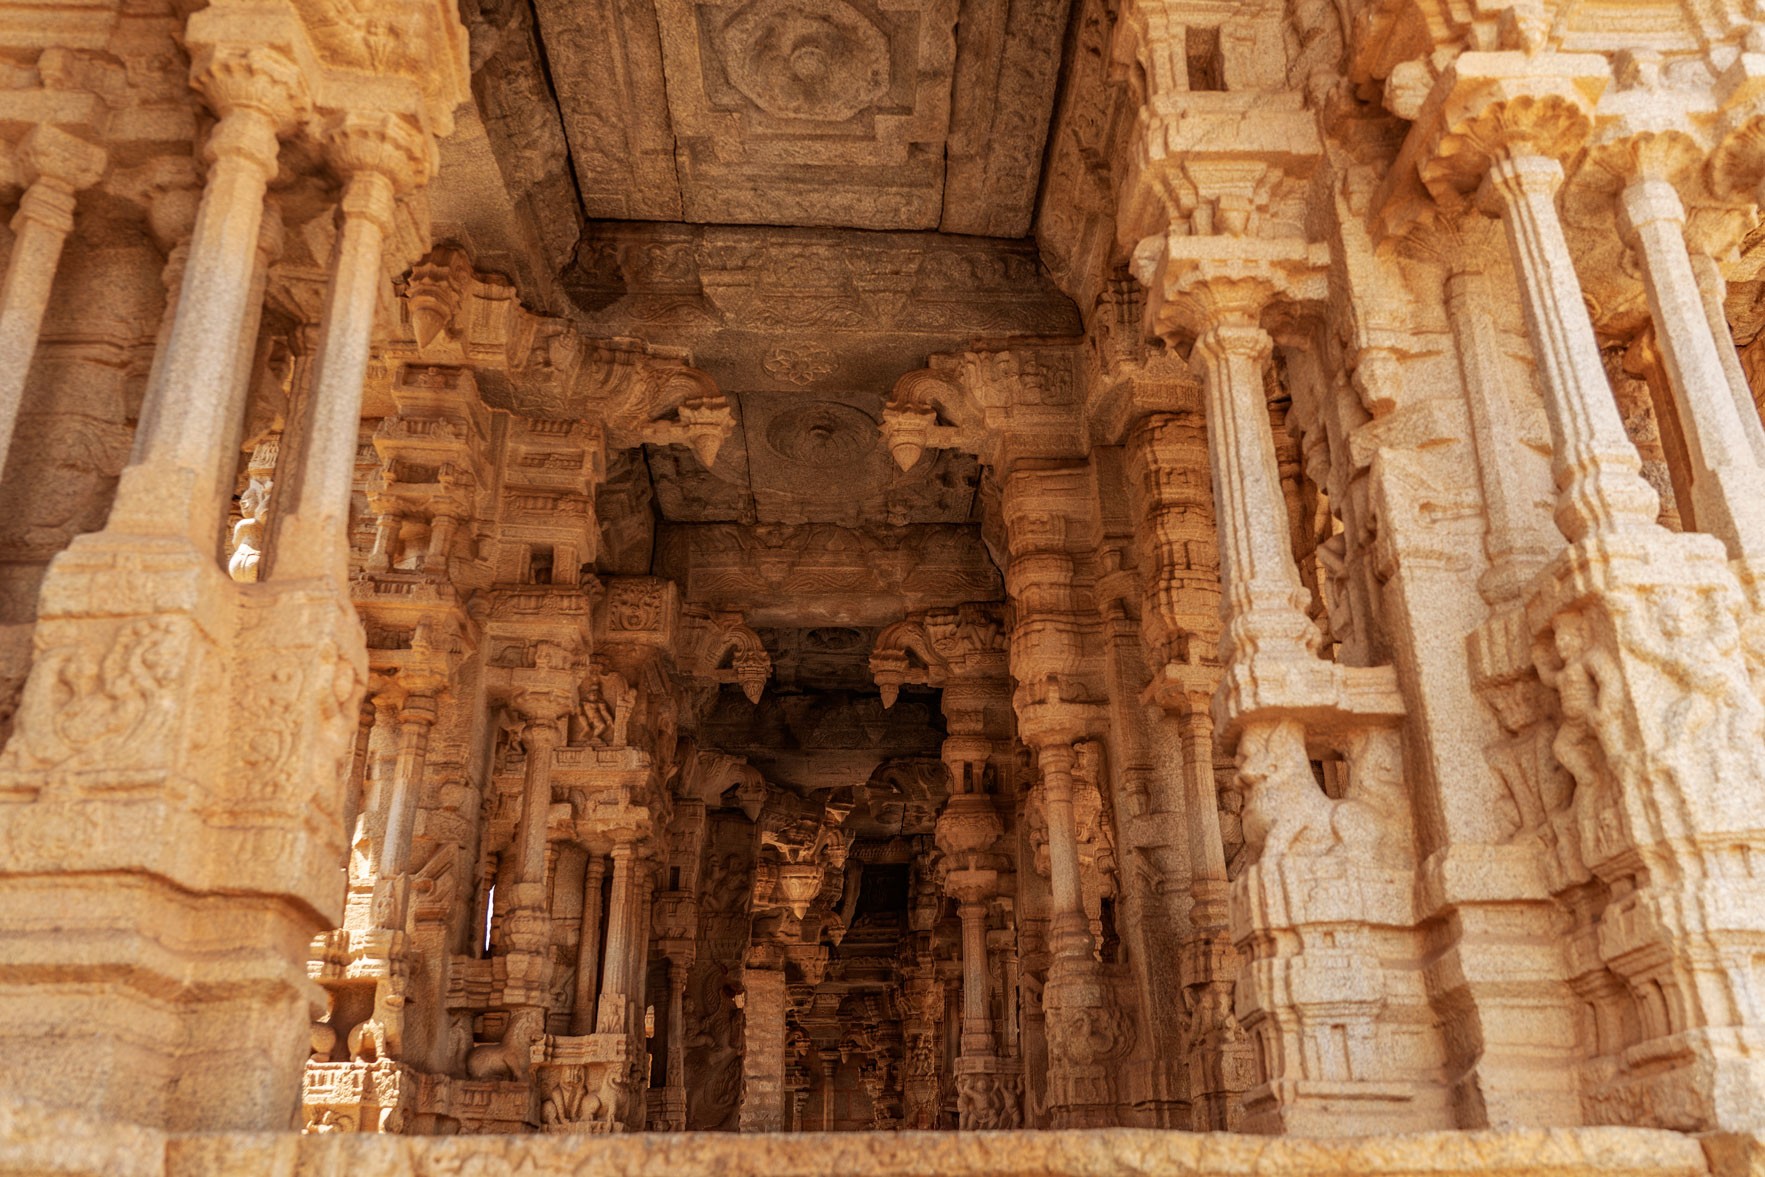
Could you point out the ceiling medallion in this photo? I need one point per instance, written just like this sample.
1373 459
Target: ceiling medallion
806 59
825 435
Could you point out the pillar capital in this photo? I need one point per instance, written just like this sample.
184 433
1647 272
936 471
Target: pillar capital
378 143
1198 284
52 157
1235 339
1056 762
420 707
258 92
1664 154
1489 107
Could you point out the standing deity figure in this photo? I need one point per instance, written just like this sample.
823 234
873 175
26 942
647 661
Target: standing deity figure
248 533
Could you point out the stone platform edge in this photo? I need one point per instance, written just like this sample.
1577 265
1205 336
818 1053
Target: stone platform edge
43 1143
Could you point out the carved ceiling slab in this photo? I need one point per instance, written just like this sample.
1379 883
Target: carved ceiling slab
825 575
823 740
794 310
874 114
797 459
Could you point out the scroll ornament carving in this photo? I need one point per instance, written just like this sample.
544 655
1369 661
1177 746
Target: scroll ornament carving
455 315
928 409
731 652
82 704
926 649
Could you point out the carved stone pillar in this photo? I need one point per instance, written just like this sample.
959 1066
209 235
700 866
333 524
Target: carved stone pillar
1600 488
763 1014
675 1091
1069 930
977 1021
57 166
170 485
1637 631
1174 529
1713 290
376 155
830 1065
1727 481
544 736
1510 540
582 1012
1220 1061
1264 607
1085 1029
415 719
614 1015
215 831
1278 705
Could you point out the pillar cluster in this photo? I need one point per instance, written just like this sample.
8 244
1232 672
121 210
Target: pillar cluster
1268 638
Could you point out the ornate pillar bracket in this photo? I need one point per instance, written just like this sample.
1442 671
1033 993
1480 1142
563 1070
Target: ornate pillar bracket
54 167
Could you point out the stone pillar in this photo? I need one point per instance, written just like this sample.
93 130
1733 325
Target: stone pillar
1599 485
1220 1061
1069 930
830 1063
763 1020
1727 480
977 1021
582 1013
1179 562
170 486
415 719
376 155
522 905
1713 290
1634 630
1264 608
1510 540
544 736
56 165
638 962
1084 1027
675 1098
613 1016
1306 912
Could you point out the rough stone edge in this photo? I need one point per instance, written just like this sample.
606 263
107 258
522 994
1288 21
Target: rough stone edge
43 1142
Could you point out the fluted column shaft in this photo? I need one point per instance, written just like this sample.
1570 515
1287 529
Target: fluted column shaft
45 217
677 1025
313 538
1494 436
1727 484
414 722
543 737
977 1023
1207 849
588 948
1713 290
1070 931
1264 599
637 960
1596 468
616 968
171 485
